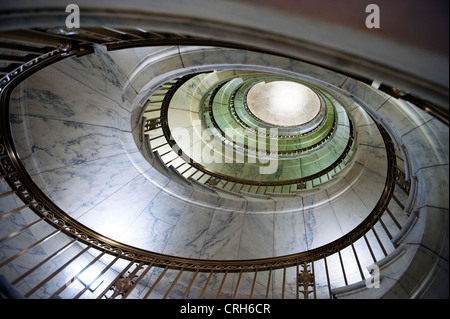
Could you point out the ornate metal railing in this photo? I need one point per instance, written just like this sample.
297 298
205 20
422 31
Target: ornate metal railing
123 268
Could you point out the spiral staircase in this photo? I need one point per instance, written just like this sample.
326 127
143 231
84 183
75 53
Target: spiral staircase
138 161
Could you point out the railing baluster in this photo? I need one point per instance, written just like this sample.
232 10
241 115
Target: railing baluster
156 282
188 288
48 278
186 169
88 285
23 251
156 137
173 283
379 241
71 280
159 146
297 286
342 267
370 248
180 165
56 253
328 277
200 177
136 282
385 228
206 284
21 229
165 153
115 279
268 283
400 204
195 172
393 218
357 261
221 284
253 283
237 284
173 159
8 193
284 281
15 210
314 275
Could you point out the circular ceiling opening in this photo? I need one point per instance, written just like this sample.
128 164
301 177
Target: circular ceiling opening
283 103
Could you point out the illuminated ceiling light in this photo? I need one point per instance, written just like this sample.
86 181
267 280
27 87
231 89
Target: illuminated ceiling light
283 103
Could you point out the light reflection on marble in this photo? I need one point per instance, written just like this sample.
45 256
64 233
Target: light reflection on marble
116 213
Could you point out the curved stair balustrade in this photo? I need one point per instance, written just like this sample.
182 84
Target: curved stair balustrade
169 151
142 261
283 135
128 267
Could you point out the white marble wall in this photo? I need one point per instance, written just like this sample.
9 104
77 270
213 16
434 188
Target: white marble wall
86 162
73 128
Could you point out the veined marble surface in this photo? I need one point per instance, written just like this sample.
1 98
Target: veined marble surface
74 128
102 179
